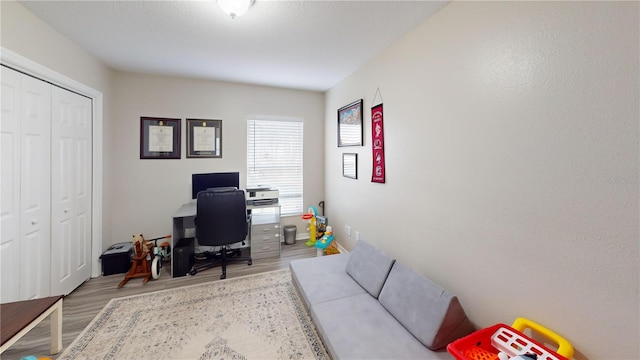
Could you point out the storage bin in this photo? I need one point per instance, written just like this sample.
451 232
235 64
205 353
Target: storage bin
485 344
117 258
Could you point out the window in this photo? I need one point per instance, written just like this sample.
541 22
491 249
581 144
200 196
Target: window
274 158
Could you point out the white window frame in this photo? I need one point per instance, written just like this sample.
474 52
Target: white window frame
290 161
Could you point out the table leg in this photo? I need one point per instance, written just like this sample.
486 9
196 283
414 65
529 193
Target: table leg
56 328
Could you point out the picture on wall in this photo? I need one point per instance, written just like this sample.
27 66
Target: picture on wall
350 124
204 138
159 138
350 165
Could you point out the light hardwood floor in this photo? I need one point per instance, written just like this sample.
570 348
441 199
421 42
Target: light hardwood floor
84 303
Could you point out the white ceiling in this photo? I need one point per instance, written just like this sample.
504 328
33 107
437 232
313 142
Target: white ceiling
309 44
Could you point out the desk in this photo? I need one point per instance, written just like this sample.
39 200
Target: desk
18 318
184 227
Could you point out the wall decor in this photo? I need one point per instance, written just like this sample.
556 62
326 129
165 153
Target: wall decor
204 138
377 145
159 138
350 165
350 124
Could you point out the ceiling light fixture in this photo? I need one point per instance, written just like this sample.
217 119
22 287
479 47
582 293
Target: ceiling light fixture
235 7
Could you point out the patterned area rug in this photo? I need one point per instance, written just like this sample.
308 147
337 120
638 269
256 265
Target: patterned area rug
252 317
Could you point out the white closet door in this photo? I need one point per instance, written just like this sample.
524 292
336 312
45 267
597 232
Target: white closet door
71 191
28 215
35 192
10 178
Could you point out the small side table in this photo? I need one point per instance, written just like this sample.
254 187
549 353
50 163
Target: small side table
18 318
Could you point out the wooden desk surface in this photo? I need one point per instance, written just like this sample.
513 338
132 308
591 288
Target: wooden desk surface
16 316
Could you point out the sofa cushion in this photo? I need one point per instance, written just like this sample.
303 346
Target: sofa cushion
323 278
369 266
432 314
358 327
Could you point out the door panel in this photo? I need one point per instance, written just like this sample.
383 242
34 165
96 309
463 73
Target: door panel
35 191
71 183
10 189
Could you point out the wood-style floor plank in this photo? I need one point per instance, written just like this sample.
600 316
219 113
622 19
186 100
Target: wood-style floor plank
84 303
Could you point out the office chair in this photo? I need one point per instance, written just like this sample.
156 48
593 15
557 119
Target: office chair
221 220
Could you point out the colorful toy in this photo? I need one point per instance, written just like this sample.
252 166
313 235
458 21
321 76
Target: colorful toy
160 254
147 259
311 216
324 242
504 342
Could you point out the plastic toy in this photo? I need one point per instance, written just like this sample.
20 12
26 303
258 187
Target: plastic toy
311 216
502 342
325 241
160 254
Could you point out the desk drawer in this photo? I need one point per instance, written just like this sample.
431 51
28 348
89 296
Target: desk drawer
264 254
265 229
260 242
265 246
260 238
265 240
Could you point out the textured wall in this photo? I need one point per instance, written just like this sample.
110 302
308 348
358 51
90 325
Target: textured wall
511 134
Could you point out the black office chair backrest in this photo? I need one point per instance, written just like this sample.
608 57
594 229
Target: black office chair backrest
221 217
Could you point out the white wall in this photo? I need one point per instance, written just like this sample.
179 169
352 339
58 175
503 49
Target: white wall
511 133
147 192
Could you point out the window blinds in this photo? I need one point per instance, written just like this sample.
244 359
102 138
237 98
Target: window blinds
274 158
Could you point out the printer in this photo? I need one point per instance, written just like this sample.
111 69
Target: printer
261 196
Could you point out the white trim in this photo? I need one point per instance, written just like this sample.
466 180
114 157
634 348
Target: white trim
275 118
20 63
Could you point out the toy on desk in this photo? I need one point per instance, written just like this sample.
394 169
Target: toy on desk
311 216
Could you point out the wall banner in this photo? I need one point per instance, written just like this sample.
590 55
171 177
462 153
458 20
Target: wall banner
377 144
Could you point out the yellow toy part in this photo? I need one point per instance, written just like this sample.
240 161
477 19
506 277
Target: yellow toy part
564 347
311 216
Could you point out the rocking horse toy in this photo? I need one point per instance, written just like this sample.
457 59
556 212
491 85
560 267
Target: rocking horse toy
147 259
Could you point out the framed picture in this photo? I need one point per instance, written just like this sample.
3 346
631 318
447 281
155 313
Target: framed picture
350 165
159 138
204 138
350 124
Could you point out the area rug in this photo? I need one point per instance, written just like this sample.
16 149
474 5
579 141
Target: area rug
252 317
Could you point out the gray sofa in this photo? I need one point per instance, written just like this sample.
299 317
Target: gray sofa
366 305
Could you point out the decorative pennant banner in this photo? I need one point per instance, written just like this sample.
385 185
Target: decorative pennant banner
377 144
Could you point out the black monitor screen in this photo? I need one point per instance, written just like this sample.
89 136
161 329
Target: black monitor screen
201 182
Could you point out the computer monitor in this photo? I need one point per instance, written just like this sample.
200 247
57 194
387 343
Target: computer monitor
206 181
